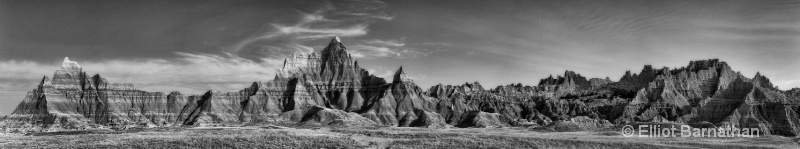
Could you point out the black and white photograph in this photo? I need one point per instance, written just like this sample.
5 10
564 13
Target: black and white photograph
407 74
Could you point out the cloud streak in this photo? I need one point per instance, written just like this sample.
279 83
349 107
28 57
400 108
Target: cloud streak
343 19
395 48
303 32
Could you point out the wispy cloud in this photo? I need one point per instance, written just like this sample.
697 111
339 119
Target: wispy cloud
197 72
382 16
341 18
305 32
392 43
395 48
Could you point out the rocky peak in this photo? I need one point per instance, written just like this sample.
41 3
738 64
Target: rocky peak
550 80
334 50
647 68
70 76
70 65
45 79
569 78
698 65
474 87
335 61
400 76
647 71
626 75
336 38
762 81
634 82
45 83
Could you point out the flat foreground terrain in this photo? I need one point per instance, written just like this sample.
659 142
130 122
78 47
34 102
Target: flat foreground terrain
417 138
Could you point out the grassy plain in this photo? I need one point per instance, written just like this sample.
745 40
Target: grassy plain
390 137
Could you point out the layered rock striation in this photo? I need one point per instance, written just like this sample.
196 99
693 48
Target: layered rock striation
329 88
72 99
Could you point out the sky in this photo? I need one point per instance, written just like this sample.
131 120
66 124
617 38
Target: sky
195 46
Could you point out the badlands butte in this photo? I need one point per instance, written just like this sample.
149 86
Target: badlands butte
329 88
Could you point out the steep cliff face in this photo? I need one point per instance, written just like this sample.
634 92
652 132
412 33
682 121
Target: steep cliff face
329 88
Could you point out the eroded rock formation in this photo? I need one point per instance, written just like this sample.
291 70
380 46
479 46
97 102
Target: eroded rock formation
329 88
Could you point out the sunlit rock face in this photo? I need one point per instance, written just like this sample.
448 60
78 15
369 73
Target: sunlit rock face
329 88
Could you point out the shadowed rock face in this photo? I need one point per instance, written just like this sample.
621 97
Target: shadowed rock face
329 88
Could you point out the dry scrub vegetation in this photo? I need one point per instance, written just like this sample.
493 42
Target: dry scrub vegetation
279 137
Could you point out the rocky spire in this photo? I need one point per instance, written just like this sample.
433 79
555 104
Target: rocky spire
400 76
336 38
626 75
334 48
70 65
647 68
45 83
762 81
333 55
569 78
335 62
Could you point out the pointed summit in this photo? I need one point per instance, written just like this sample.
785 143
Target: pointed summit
70 65
400 76
334 56
45 82
336 39
762 81
335 50
335 45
